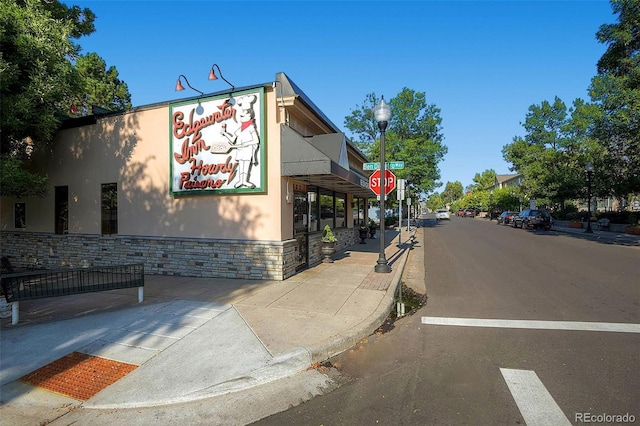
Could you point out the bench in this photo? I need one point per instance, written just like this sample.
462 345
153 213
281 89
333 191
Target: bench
603 224
31 285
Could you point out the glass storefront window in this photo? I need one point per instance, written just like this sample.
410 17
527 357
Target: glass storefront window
312 196
300 213
341 211
358 208
326 210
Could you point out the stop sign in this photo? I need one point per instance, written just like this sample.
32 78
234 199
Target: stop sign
389 182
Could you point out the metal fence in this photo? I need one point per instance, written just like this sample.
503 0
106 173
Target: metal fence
48 283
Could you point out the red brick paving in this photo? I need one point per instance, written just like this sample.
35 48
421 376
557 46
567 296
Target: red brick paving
77 375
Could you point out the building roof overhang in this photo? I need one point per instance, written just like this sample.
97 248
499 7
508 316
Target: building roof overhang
305 162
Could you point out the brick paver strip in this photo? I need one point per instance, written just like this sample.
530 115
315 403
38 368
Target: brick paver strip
78 375
376 281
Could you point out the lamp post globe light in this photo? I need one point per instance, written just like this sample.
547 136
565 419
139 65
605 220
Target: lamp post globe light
589 169
382 113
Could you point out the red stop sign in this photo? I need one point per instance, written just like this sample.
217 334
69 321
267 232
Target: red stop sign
389 182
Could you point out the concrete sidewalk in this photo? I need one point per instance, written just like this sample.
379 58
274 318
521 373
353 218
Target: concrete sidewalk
609 237
195 338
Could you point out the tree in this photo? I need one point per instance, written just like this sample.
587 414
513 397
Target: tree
41 75
452 191
413 136
483 181
552 154
616 89
435 202
37 79
102 87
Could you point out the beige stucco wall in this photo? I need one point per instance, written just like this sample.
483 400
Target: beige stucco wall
132 149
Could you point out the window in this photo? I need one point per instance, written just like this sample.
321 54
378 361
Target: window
109 209
61 209
326 209
19 215
359 215
312 196
341 210
300 213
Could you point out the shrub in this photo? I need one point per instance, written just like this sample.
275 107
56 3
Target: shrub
327 235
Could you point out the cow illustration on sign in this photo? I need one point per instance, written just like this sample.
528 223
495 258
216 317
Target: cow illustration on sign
245 140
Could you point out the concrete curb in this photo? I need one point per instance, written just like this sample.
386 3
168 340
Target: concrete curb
340 343
629 239
279 367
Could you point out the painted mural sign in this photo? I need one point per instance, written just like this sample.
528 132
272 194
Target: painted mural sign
218 144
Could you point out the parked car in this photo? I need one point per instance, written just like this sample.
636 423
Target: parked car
469 213
505 218
532 218
442 214
460 213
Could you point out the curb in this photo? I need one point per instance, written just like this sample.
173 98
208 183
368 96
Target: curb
340 343
615 237
279 367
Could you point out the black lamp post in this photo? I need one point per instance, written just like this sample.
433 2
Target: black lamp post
589 169
382 113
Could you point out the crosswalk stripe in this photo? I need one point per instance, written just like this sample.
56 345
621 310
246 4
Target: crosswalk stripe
534 401
532 324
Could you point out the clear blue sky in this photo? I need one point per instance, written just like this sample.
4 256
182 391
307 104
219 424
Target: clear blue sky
483 63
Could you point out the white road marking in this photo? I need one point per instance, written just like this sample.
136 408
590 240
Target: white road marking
534 400
531 324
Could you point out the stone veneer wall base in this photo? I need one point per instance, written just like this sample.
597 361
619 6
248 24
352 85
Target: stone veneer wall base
196 257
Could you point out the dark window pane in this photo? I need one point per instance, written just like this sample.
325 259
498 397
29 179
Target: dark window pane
61 209
20 215
109 209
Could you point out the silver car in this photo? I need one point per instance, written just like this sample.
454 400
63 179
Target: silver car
442 214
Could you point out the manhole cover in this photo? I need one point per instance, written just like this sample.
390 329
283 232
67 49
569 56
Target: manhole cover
78 375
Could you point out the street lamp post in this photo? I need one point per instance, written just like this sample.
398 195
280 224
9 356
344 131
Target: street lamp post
589 169
382 113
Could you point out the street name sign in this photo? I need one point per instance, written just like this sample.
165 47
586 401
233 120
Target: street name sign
390 165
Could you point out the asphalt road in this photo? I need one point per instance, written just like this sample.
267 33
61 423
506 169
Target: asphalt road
511 372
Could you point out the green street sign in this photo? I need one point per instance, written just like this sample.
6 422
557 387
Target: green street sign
389 165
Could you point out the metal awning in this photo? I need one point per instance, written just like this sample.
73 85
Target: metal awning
306 163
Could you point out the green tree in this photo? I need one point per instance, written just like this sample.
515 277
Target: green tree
452 191
102 87
552 154
37 80
483 181
435 202
616 89
413 136
41 75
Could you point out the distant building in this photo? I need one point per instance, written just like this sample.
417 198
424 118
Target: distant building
504 181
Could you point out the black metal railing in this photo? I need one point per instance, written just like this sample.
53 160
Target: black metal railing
48 283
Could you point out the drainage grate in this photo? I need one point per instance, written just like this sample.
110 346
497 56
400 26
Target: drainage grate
77 375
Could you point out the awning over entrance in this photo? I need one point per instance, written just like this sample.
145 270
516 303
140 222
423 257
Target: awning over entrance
309 160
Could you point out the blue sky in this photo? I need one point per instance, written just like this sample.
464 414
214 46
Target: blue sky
483 63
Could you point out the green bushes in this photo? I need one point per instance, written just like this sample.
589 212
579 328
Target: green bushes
623 217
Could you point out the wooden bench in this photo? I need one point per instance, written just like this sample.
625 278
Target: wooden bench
603 224
31 285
